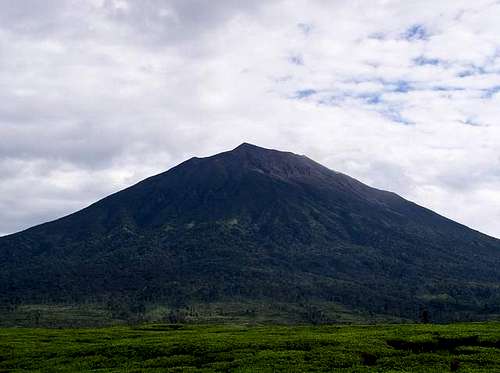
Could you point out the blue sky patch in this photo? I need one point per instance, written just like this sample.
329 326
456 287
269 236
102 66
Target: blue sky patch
371 98
395 116
304 93
422 61
473 70
442 88
402 86
490 92
416 32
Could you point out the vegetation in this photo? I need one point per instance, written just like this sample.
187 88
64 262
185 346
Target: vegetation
117 313
468 347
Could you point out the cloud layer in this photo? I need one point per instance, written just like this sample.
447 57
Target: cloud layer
99 94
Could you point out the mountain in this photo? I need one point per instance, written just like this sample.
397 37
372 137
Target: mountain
257 224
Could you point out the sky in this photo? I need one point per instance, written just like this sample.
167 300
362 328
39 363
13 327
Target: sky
98 94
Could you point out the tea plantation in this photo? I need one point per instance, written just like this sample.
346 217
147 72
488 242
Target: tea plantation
467 347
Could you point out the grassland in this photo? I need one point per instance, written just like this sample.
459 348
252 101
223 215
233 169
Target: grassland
469 347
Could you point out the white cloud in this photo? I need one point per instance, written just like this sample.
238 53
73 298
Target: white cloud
99 94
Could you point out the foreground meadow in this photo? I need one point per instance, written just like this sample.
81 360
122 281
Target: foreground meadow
468 347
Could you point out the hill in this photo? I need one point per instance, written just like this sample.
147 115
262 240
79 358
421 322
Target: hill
257 224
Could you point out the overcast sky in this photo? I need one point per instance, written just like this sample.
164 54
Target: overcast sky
96 95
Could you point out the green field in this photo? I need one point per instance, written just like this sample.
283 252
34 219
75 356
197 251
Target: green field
468 347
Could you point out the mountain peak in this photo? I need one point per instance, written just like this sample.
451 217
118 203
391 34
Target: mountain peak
276 163
249 147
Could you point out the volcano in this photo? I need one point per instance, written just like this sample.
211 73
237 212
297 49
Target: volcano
259 225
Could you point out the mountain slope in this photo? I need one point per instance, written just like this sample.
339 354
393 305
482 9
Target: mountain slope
254 223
